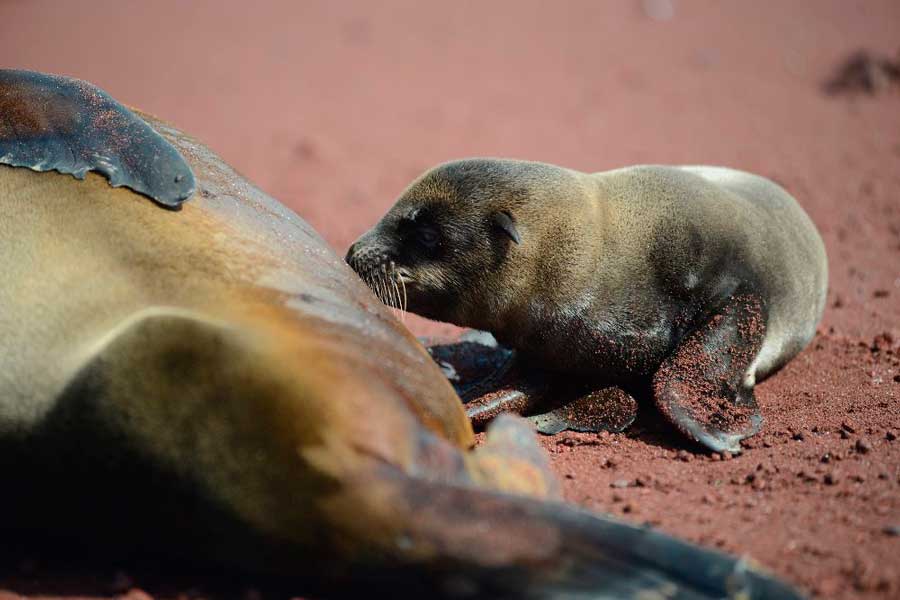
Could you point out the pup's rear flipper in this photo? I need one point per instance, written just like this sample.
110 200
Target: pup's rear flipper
701 387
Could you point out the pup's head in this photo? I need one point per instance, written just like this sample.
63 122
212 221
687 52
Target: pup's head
441 249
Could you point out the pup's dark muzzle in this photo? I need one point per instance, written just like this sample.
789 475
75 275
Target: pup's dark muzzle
365 257
375 265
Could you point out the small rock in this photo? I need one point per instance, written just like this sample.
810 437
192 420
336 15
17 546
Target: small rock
759 485
569 476
826 458
845 435
684 456
715 456
617 497
628 508
863 446
799 436
847 426
882 342
620 483
881 293
831 478
891 530
890 435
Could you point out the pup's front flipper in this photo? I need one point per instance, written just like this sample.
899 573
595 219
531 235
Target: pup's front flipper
487 377
490 381
703 387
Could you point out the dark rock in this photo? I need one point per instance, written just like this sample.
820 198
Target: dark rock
863 446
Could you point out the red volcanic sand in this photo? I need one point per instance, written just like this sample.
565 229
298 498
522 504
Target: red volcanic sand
335 108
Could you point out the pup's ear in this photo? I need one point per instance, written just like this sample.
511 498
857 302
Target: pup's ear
504 221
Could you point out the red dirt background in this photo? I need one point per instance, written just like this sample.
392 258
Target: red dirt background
334 107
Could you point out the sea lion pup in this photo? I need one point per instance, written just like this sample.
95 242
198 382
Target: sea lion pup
215 380
704 280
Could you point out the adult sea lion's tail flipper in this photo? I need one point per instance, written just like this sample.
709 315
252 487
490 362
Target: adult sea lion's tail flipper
485 544
54 123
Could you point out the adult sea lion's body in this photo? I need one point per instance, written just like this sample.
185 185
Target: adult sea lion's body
215 380
706 279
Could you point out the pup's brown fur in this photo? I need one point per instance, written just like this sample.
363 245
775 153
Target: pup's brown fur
608 275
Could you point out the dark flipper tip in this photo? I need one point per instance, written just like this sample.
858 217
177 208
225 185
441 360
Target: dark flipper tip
716 438
54 123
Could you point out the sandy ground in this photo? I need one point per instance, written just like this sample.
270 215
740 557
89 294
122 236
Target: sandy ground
334 107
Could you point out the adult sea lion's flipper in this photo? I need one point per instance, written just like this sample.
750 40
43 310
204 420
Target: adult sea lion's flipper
494 545
701 387
54 123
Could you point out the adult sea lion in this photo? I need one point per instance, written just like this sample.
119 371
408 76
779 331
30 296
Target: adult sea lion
215 379
703 280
